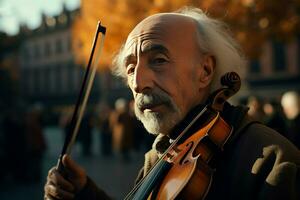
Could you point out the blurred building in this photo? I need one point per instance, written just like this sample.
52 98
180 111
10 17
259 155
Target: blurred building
49 73
277 70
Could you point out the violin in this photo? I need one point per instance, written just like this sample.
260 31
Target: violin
185 170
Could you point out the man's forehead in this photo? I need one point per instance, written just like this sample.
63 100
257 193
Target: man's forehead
160 26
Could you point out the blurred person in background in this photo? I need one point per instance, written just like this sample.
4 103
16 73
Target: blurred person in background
65 122
256 108
142 141
15 145
85 134
121 125
290 103
172 63
105 134
275 117
36 143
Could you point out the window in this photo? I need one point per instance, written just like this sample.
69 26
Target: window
52 79
77 79
47 49
298 55
25 55
37 51
69 44
34 82
279 56
254 66
64 79
59 46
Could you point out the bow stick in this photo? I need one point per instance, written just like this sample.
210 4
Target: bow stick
82 98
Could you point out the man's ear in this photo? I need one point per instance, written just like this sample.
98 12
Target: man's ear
207 70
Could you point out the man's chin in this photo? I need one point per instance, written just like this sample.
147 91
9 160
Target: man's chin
156 126
151 127
157 122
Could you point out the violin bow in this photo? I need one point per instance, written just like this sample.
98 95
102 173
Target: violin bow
82 97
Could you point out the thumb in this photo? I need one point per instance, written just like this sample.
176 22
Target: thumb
76 174
70 165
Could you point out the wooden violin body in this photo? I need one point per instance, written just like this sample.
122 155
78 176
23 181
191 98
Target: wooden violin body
192 176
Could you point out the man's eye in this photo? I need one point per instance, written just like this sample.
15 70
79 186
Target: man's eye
130 69
159 60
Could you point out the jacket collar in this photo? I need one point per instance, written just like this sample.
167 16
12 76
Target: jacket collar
234 115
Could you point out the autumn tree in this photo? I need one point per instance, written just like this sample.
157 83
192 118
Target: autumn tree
252 21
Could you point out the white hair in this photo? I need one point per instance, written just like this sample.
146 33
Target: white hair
214 38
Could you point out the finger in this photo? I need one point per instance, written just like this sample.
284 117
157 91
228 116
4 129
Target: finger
57 179
46 191
46 197
75 173
71 166
56 193
51 171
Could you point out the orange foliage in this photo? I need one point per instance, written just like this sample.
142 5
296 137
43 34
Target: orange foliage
252 21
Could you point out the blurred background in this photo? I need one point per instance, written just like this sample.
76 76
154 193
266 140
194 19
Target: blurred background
44 48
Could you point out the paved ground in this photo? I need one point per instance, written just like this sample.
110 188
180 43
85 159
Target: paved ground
114 176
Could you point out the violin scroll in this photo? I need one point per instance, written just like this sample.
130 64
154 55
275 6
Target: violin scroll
232 84
232 80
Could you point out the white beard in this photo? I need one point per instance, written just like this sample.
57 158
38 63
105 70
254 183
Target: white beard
155 122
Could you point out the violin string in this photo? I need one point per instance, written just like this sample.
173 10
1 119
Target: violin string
152 181
137 186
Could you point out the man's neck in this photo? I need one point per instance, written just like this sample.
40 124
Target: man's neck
186 121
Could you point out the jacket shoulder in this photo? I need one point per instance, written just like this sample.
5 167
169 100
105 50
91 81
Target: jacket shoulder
258 164
260 137
269 162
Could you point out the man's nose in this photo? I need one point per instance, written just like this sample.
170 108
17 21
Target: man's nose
143 78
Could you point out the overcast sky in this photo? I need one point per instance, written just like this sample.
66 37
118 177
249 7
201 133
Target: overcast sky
14 12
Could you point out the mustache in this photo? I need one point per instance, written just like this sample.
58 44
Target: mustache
151 99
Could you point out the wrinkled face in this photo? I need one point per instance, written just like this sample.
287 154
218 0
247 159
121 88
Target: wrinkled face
163 66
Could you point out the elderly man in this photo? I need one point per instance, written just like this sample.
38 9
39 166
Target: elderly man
172 62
